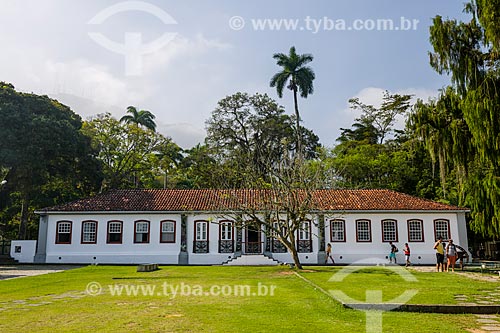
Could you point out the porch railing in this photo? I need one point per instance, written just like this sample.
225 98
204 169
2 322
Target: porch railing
226 246
277 246
304 246
200 247
253 247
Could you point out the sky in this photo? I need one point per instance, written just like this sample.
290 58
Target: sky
177 59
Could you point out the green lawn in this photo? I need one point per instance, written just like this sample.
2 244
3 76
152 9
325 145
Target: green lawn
59 302
432 288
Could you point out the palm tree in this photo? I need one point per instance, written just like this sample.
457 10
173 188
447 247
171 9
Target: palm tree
299 77
142 117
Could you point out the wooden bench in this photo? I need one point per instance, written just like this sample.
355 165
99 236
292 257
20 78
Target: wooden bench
147 267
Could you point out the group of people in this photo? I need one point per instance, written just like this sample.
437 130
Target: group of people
446 256
392 254
394 250
448 252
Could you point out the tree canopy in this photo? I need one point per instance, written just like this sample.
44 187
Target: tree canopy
140 118
40 143
462 126
379 121
250 134
131 156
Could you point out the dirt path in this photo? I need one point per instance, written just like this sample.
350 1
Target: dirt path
472 275
16 271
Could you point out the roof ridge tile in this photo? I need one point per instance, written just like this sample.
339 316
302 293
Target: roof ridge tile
233 199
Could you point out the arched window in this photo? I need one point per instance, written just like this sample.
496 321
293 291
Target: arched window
304 240
89 232
363 231
63 232
415 230
337 230
226 235
200 244
167 234
276 245
389 231
441 229
141 232
115 232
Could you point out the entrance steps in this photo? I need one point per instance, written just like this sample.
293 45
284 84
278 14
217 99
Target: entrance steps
252 260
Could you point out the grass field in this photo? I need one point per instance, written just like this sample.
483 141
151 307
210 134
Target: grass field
268 299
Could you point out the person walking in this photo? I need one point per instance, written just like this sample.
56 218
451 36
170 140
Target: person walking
438 246
451 253
329 254
406 250
392 254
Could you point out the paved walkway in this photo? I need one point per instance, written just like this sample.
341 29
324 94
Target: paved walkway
489 324
472 275
15 271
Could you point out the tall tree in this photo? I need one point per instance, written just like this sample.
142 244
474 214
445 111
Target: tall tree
169 156
139 117
202 169
371 154
400 164
469 52
251 133
383 118
299 78
41 143
440 123
131 156
362 130
283 203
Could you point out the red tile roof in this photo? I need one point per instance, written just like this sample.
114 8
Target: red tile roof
153 200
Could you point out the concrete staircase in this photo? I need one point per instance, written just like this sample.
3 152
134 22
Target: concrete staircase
252 260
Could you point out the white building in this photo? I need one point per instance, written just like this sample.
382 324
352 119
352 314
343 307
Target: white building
196 227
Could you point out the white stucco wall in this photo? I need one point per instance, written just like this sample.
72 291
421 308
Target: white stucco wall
101 252
213 256
421 252
23 250
347 252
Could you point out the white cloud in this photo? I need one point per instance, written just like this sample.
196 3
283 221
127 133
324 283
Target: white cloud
87 87
81 78
419 93
371 96
183 134
180 48
90 87
85 107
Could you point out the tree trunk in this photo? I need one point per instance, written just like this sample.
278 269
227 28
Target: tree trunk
23 226
292 249
295 257
297 121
